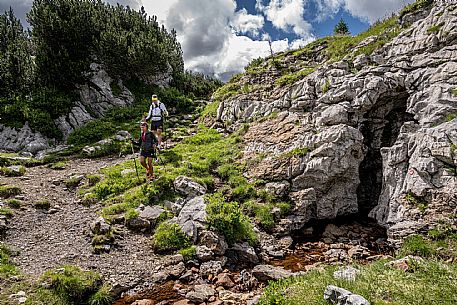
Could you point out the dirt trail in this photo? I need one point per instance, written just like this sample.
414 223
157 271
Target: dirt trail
49 239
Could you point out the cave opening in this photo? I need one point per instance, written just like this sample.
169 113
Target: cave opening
380 127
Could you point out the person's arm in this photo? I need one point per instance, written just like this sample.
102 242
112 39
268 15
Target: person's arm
149 113
164 109
137 143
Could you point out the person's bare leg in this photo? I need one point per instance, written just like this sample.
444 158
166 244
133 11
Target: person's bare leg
150 168
143 163
159 137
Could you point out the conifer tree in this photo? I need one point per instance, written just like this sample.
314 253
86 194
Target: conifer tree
341 28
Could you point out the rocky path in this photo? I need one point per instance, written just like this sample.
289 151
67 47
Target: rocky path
51 238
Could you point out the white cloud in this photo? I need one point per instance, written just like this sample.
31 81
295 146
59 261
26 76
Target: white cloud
245 23
287 15
372 11
159 8
327 8
366 10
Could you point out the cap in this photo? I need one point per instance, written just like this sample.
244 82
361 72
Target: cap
143 124
154 97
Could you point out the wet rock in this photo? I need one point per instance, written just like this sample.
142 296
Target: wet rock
358 252
346 273
100 226
405 263
336 255
340 296
204 253
231 297
224 280
192 217
201 293
267 273
187 187
244 253
143 302
213 241
210 268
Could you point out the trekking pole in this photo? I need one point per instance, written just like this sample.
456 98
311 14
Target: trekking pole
134 160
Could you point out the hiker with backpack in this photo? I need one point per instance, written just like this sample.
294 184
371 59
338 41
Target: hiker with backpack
157 112
148 145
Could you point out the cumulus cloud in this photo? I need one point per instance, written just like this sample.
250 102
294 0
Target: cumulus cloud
366 10
245 23
286 15
372 11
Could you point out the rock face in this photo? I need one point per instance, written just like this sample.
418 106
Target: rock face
96 98
374 134
23 139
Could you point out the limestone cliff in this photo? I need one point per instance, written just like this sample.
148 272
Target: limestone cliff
373 133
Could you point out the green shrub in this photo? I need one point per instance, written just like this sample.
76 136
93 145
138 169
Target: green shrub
7 191
454 92
227 218
169 236
72 283
188 253
299 152
131 214
417 201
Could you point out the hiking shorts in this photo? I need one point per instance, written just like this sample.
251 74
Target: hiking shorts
148 154
157 125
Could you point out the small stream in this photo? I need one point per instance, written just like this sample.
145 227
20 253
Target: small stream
306 253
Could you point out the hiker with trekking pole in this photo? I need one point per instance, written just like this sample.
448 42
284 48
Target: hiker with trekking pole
157 113
148 146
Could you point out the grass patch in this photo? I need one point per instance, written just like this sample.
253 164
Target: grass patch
454 92
293 77
9 172
7 191
7 269
13 203
6 212
72 182
61 165
188 253
413 7
431 283
434 29
42 205
450 117
296 152
417 201
169 237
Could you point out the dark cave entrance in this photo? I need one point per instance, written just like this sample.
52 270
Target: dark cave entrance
380 128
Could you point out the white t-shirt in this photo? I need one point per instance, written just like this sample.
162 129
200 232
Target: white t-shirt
156 111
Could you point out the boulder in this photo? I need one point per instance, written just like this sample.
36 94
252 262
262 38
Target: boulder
192 217
213 241
210 268
187 187
266 273
340 296
200 293
243 253
100 226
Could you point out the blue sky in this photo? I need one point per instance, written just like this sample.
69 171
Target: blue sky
221 37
